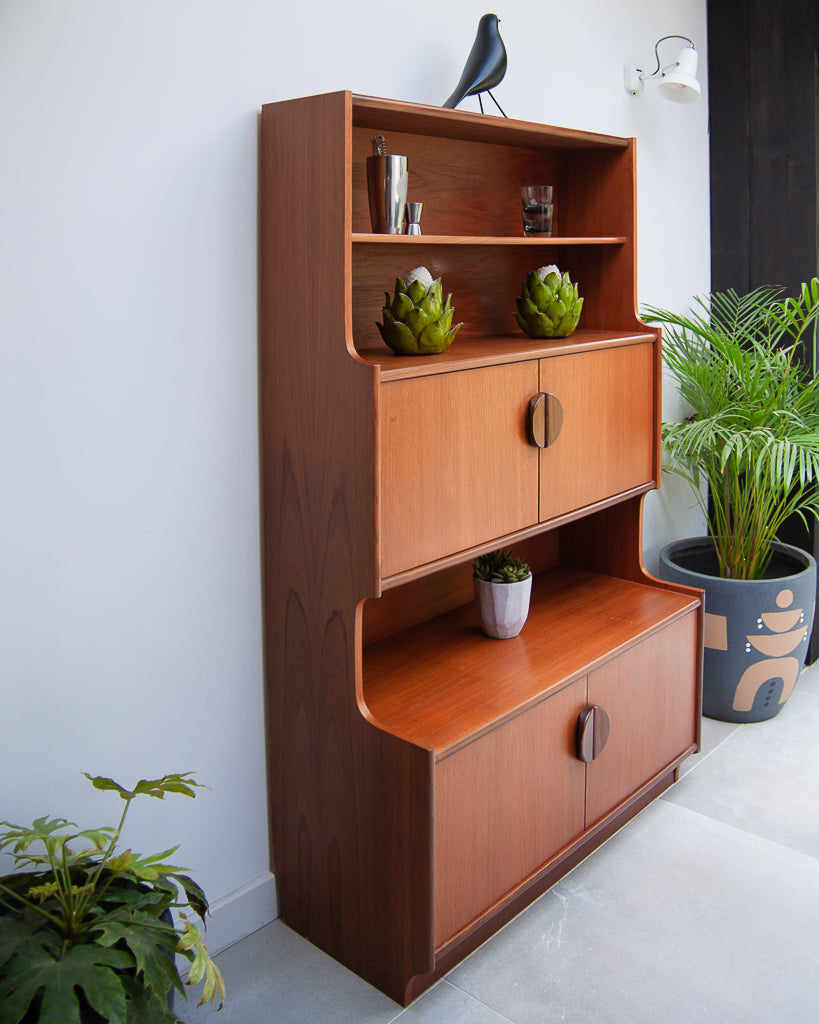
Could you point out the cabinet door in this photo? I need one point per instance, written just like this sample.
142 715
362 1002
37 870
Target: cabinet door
650 694
456 466
605 444
504 805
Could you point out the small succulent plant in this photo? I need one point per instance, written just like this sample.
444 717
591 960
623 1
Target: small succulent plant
549 306
501 566
417 322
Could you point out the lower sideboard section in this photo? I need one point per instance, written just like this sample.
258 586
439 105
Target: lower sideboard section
519 799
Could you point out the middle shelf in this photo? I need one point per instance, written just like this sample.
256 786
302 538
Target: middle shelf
442 683
363 238
485 276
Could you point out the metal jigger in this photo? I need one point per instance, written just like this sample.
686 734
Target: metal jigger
413 217
387 181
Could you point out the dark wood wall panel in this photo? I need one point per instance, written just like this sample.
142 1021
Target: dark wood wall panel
762 88
762 85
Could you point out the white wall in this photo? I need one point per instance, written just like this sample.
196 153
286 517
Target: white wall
130 639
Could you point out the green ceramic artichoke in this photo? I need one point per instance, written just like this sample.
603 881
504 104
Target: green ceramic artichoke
549 306
417 322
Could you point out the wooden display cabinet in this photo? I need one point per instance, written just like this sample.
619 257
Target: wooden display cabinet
427 782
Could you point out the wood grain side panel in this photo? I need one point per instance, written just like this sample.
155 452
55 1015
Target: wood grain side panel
503 806
651 695
457 468
344 879
605 445
603 193
609 541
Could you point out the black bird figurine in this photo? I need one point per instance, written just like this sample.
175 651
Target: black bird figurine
485 65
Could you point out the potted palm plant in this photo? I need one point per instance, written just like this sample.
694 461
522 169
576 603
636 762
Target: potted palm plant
753 438
503 586
87 932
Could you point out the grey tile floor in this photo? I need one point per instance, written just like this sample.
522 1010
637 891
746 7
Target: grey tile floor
704 908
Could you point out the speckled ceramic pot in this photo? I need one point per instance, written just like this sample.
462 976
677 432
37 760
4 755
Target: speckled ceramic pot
503 607
756 631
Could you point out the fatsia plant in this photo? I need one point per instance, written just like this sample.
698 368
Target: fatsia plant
88 931
754 432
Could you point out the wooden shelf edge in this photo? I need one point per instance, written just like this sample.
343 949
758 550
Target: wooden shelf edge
512 348
375 112
363 238
448 663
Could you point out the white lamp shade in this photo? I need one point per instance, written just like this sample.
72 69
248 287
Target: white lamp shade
680 84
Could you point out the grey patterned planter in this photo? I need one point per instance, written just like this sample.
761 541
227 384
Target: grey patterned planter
756 631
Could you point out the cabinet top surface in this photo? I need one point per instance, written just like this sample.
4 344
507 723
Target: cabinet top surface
426 119
442 683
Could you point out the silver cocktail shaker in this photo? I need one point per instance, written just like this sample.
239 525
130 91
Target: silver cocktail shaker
387 181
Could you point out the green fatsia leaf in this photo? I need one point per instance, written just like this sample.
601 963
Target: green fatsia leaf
173 783
145 868
89 968
202 966
194 895
149 941
51 832
23 935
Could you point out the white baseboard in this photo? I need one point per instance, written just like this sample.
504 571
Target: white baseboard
241 913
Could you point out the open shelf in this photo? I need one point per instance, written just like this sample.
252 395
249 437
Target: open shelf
441 684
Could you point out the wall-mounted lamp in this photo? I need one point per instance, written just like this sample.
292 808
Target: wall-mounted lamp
678 80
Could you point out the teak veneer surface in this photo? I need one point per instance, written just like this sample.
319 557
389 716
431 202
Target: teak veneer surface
654 712
441 122
456 466
466 354
442 683
363 740
605 445
356 889
504 806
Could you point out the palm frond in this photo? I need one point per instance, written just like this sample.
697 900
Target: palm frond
753 434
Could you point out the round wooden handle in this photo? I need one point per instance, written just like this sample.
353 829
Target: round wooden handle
593 728
545 419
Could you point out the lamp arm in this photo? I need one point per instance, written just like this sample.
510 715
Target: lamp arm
656 71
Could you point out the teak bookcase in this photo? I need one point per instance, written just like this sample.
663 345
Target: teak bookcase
427 782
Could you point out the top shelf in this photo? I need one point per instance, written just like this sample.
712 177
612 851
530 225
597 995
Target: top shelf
468 126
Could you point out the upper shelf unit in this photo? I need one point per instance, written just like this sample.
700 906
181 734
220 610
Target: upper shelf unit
467 170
